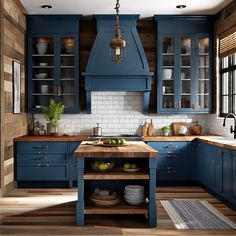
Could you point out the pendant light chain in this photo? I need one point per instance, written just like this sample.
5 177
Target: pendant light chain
117 44
117 13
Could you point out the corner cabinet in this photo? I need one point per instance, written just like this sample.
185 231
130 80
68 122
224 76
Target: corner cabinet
53 61
184 54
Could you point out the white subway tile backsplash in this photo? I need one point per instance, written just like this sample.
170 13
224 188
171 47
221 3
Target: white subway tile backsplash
122 112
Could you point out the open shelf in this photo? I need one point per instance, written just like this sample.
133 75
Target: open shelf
43 55
115 174
121 208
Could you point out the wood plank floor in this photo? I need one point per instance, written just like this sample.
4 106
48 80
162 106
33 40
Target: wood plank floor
52 212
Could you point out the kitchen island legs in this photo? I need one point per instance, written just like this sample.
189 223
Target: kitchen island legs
80 202
152 208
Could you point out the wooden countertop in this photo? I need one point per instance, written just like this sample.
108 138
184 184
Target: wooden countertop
219 141
51 138
135 149
180 138
216 140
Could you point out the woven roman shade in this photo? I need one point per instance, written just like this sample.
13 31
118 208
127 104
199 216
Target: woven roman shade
228 42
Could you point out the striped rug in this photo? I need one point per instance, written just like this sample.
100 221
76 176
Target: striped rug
195 214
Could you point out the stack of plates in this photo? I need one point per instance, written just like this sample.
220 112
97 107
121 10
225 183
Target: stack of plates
134 194
105 201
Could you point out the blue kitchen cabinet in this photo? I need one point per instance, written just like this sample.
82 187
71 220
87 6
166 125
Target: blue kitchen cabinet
234 177
173 162
229 176
193 148
73 162
53 61
201 163
42 161
184 47
213 163
209 166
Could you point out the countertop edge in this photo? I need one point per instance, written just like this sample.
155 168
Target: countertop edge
28 138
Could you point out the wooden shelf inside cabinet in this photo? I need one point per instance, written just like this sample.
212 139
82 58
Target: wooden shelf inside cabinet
115 175
121 208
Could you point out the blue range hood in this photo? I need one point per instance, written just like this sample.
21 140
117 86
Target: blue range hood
104 75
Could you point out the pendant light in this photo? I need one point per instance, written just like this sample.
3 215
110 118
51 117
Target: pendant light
117 44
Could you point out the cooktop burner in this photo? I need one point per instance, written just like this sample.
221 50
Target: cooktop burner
128 137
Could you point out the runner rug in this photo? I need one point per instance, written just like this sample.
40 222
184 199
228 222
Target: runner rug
196 214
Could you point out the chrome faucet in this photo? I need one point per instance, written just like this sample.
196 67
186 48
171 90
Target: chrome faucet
232 130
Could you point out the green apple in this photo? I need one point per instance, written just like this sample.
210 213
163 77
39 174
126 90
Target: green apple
133 166
113 141
126 165
118 141
123 141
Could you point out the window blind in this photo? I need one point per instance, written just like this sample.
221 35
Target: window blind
228 42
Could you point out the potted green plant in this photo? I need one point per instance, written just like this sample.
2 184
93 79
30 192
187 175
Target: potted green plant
165 130
52 114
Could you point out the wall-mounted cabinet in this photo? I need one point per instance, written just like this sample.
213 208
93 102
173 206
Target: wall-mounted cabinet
184 64
53 61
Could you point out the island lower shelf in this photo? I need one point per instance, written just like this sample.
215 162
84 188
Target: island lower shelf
119 209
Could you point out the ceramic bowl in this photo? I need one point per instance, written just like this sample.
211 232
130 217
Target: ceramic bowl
43 64
41 75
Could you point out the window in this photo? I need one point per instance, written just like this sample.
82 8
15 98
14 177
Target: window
228 84
227 54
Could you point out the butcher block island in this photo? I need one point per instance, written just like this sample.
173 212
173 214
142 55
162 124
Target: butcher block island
113 180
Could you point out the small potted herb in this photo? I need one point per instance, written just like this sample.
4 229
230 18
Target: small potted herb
165 130
52 114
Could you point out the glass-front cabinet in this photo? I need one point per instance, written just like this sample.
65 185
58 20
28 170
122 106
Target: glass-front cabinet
183 66
53 65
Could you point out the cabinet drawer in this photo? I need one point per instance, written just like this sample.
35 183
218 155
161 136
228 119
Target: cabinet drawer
164 147
36 147
172 159
42 157
171 174
42 172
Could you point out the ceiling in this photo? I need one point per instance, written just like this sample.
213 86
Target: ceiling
146 8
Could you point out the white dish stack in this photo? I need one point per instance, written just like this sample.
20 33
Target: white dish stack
134 194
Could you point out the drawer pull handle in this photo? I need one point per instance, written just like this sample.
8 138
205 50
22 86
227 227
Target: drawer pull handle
41 158
41 147
170 146
43 165
171 156
41 153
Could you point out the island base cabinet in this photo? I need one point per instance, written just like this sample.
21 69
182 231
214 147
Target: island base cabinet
115 181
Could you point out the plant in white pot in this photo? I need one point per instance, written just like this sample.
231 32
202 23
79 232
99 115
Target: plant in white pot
165 130
52 114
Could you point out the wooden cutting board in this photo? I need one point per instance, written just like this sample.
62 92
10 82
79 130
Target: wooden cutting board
175 127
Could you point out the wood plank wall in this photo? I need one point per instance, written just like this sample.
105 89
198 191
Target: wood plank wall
147 32
12 125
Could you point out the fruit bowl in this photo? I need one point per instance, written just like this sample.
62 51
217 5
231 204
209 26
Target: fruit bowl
130 170
101 166
130 167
